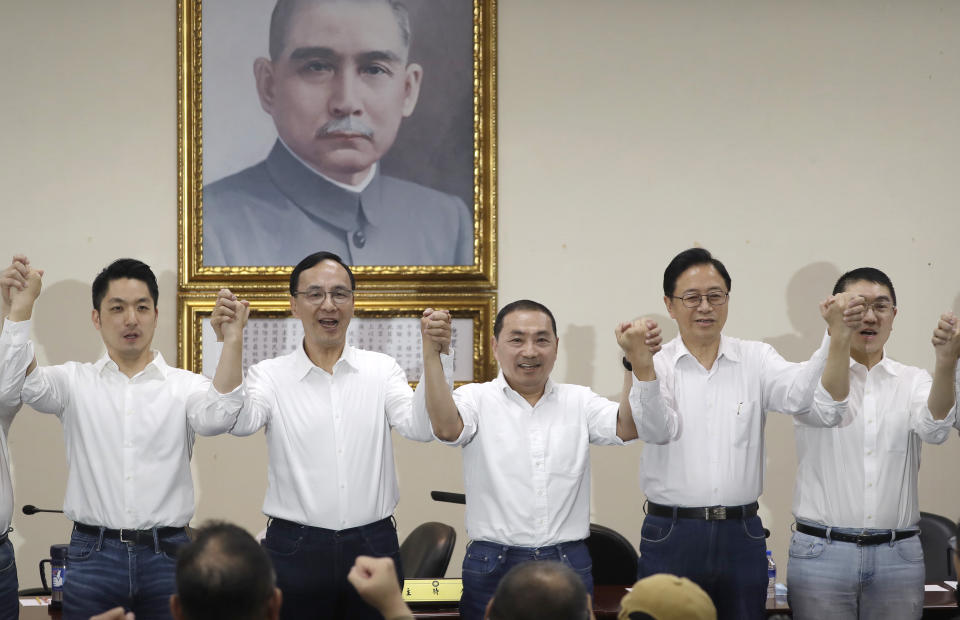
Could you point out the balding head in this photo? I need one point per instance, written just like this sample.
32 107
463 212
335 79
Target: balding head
540 591
225 574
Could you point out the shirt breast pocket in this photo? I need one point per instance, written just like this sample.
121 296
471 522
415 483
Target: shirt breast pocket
566 450
747 418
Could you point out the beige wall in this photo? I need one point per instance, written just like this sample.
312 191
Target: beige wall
795 140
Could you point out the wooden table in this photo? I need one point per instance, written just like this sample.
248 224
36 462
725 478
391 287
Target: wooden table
606 604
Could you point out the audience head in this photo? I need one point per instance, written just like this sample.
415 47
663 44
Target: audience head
225 574
666 597
540 591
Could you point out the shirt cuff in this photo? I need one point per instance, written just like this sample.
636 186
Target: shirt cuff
233 397
822 397
646 389
17 331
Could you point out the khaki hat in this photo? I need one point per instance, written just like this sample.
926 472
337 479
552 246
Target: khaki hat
668 597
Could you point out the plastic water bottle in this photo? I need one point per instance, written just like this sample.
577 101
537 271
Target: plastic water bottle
771 576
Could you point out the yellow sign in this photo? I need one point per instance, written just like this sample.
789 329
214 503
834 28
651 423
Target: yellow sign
432 590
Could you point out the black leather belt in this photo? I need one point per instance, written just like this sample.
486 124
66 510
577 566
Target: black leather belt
707 513
861 540
132 537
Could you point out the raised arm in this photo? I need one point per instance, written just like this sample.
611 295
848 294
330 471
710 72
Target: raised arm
843 313
20 287
654 415
228 320
375 580
435 331
649 333
946 345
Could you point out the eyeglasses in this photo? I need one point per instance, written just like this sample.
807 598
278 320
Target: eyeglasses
880 306
315 296
714 298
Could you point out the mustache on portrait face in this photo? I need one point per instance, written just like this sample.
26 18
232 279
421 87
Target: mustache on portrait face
345 124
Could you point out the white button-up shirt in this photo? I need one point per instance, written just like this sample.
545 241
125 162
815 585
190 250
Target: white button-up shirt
863 473
328 435
9 405
704 428
129 439
526 468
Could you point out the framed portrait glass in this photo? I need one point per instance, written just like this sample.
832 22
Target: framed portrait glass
366 128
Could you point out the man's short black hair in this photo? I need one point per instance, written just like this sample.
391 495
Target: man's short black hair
540 591
124 268
522 304
314 259
284 11
687 259
867 274
224 574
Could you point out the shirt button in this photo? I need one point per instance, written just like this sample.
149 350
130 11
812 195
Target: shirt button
540 492
869 484
869 516
869 452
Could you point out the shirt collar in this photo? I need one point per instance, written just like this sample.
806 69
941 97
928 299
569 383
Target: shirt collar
157 367
886 364
302 364
501 383
728 349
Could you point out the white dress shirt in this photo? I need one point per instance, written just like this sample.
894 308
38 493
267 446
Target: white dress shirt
9 405
128 439
526 468
704 428
863 473
330 453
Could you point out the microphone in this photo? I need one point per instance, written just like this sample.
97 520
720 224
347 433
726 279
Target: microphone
446 496
30 509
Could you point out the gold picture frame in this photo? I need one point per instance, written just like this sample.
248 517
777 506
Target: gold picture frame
479 309
479 96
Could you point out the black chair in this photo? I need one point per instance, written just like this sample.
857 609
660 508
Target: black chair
935 531
426 552
614 558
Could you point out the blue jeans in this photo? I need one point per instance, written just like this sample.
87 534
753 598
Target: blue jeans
9 601
727 558
485 564
833 579
104 572
312 565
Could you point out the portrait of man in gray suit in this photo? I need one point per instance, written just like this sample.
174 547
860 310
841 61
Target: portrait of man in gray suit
337 85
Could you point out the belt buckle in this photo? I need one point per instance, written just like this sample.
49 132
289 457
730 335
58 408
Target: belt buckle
716 513
129 541
862 539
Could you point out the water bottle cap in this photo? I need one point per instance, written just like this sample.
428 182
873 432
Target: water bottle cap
769 552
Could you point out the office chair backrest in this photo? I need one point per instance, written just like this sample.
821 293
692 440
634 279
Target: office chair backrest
935 531
426 552
614 558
